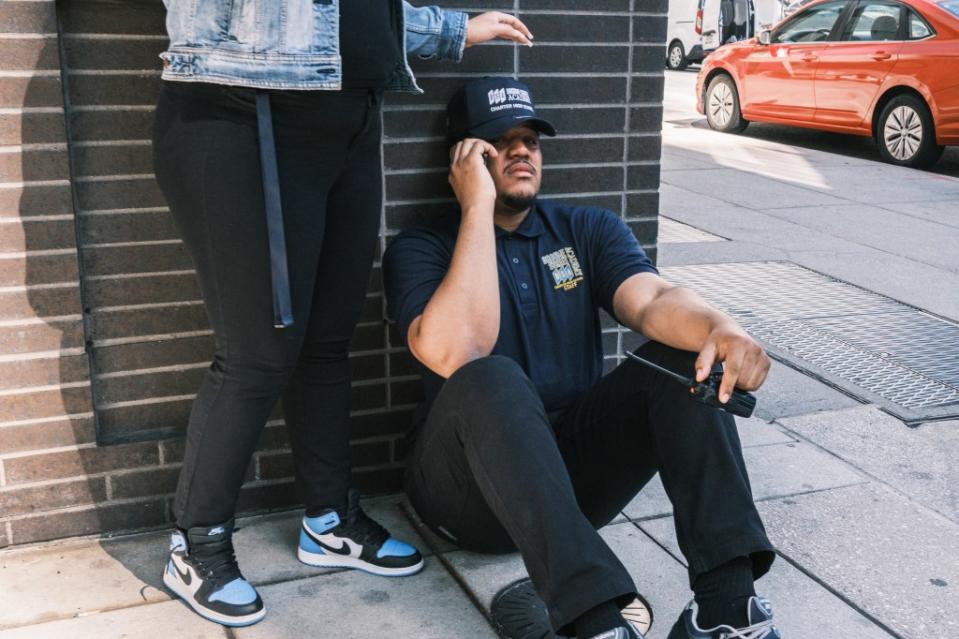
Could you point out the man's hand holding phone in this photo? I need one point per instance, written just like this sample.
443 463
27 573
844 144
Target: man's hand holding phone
469 177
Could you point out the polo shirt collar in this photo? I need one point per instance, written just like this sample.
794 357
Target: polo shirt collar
530 227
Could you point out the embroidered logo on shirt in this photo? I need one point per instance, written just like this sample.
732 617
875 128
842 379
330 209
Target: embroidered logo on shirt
564 265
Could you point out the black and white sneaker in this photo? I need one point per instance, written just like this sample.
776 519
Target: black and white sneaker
760 614
203 572
355 541
619 633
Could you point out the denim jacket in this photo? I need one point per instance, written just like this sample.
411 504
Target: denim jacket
289 44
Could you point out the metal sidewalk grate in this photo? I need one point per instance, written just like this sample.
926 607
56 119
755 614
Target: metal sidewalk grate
873 347
673 232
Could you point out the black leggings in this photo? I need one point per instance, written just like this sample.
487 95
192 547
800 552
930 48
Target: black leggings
207 163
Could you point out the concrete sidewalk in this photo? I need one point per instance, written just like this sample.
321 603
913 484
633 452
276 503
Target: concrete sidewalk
864 511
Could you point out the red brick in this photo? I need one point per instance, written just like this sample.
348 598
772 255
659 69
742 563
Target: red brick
382 481
65 432
274 438
33 199
28 17
47 403
31 92
370 454
159 419
146 483
40 303
381 423
37 235
33 499
49 335
31 128
29 53
407 391
173 450
266 497
34 164
102 518
38 269
276 466
77 463
44 371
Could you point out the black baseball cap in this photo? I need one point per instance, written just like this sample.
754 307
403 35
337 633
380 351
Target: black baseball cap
489 107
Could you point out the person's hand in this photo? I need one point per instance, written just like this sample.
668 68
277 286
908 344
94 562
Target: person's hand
469 176
496 25
745 362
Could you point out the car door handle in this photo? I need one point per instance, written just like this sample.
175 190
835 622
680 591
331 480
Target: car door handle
808 57
881 55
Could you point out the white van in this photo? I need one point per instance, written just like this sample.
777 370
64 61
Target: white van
724 21
684 45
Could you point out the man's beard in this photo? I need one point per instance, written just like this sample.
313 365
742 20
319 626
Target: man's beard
518 203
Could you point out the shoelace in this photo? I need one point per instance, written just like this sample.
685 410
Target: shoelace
216 562
360 528
759 630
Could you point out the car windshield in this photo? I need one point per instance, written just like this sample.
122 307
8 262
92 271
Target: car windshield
952 6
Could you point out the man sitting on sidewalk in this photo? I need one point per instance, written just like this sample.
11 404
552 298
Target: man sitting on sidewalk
522 444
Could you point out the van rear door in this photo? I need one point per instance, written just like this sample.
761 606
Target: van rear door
711 28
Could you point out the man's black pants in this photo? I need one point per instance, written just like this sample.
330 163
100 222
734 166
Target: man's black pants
493 472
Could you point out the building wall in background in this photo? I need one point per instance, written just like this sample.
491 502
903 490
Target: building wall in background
103 339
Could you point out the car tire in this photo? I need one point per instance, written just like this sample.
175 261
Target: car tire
906 134
676 57
721 104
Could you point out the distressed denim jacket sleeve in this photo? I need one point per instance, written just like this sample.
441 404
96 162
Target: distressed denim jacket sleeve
432 32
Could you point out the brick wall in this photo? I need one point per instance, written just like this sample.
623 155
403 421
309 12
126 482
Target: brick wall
102 336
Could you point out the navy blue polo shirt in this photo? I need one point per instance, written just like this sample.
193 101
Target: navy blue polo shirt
556 270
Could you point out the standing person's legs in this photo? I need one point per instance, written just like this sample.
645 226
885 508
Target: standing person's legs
486 472
207 161
317 401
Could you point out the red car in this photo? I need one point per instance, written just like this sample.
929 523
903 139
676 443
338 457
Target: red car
883 68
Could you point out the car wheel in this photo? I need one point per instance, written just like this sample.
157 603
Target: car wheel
722 106
906 134
676 58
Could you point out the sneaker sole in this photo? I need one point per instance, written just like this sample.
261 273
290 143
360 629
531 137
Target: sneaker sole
179 589
329 561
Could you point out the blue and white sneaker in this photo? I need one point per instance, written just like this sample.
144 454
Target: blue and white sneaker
202 571
355 541
760 626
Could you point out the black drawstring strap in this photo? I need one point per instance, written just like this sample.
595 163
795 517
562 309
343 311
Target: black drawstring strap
282 305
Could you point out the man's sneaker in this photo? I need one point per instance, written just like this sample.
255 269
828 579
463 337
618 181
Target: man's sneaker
619 633
760 626
355 541
202 571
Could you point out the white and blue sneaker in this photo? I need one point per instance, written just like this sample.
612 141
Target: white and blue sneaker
355 541
202 571
760 626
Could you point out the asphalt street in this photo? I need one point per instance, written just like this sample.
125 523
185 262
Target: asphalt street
680 104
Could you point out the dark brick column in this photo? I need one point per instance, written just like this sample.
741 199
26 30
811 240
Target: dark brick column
100 319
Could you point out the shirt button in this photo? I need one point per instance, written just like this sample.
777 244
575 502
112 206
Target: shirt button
515 260
524 286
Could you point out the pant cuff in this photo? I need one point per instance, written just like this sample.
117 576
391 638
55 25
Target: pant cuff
758 548
582 595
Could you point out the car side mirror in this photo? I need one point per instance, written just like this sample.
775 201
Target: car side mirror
765 36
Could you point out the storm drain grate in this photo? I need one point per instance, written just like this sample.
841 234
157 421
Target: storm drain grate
673 232
873 347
